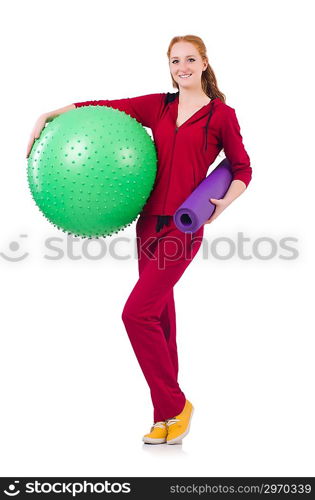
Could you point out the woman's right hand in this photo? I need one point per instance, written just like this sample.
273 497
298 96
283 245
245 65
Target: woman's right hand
41 121
38 127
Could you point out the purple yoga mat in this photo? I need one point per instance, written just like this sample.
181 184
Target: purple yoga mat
197 208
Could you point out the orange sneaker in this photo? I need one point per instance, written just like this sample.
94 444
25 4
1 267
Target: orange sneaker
157 435
178 427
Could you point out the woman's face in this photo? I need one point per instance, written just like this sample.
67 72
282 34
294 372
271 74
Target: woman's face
186 60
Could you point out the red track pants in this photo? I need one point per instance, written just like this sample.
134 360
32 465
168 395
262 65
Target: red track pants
149 313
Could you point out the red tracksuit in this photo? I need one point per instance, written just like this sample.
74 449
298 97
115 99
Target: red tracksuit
184 156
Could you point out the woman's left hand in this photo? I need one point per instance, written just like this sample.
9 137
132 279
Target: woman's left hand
220 205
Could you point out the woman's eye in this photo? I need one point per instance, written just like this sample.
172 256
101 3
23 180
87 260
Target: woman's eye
190 59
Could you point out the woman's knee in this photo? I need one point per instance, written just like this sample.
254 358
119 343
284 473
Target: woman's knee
136 314
130 313
125 314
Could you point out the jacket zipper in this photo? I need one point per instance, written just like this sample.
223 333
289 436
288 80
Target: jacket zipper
169 175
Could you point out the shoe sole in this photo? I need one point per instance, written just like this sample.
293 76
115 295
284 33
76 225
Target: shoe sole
153 440
178 439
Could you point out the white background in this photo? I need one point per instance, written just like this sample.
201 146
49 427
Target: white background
74 400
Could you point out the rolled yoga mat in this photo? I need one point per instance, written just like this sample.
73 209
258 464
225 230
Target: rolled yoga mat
197 208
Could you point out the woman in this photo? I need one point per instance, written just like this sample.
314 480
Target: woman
190 128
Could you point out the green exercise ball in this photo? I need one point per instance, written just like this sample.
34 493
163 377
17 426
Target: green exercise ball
92 170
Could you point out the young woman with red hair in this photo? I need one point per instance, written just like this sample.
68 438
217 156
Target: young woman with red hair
190 128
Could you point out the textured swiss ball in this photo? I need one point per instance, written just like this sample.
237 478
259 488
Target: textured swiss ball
92 170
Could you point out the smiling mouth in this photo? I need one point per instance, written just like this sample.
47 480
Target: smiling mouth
184 76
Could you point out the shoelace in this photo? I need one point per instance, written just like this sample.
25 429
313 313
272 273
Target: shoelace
160 424
171 421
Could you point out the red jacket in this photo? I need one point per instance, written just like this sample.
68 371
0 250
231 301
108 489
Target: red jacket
184 153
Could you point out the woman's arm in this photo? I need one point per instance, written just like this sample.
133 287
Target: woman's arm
52 114
232 143
236 153
145 109
236 188
41 122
